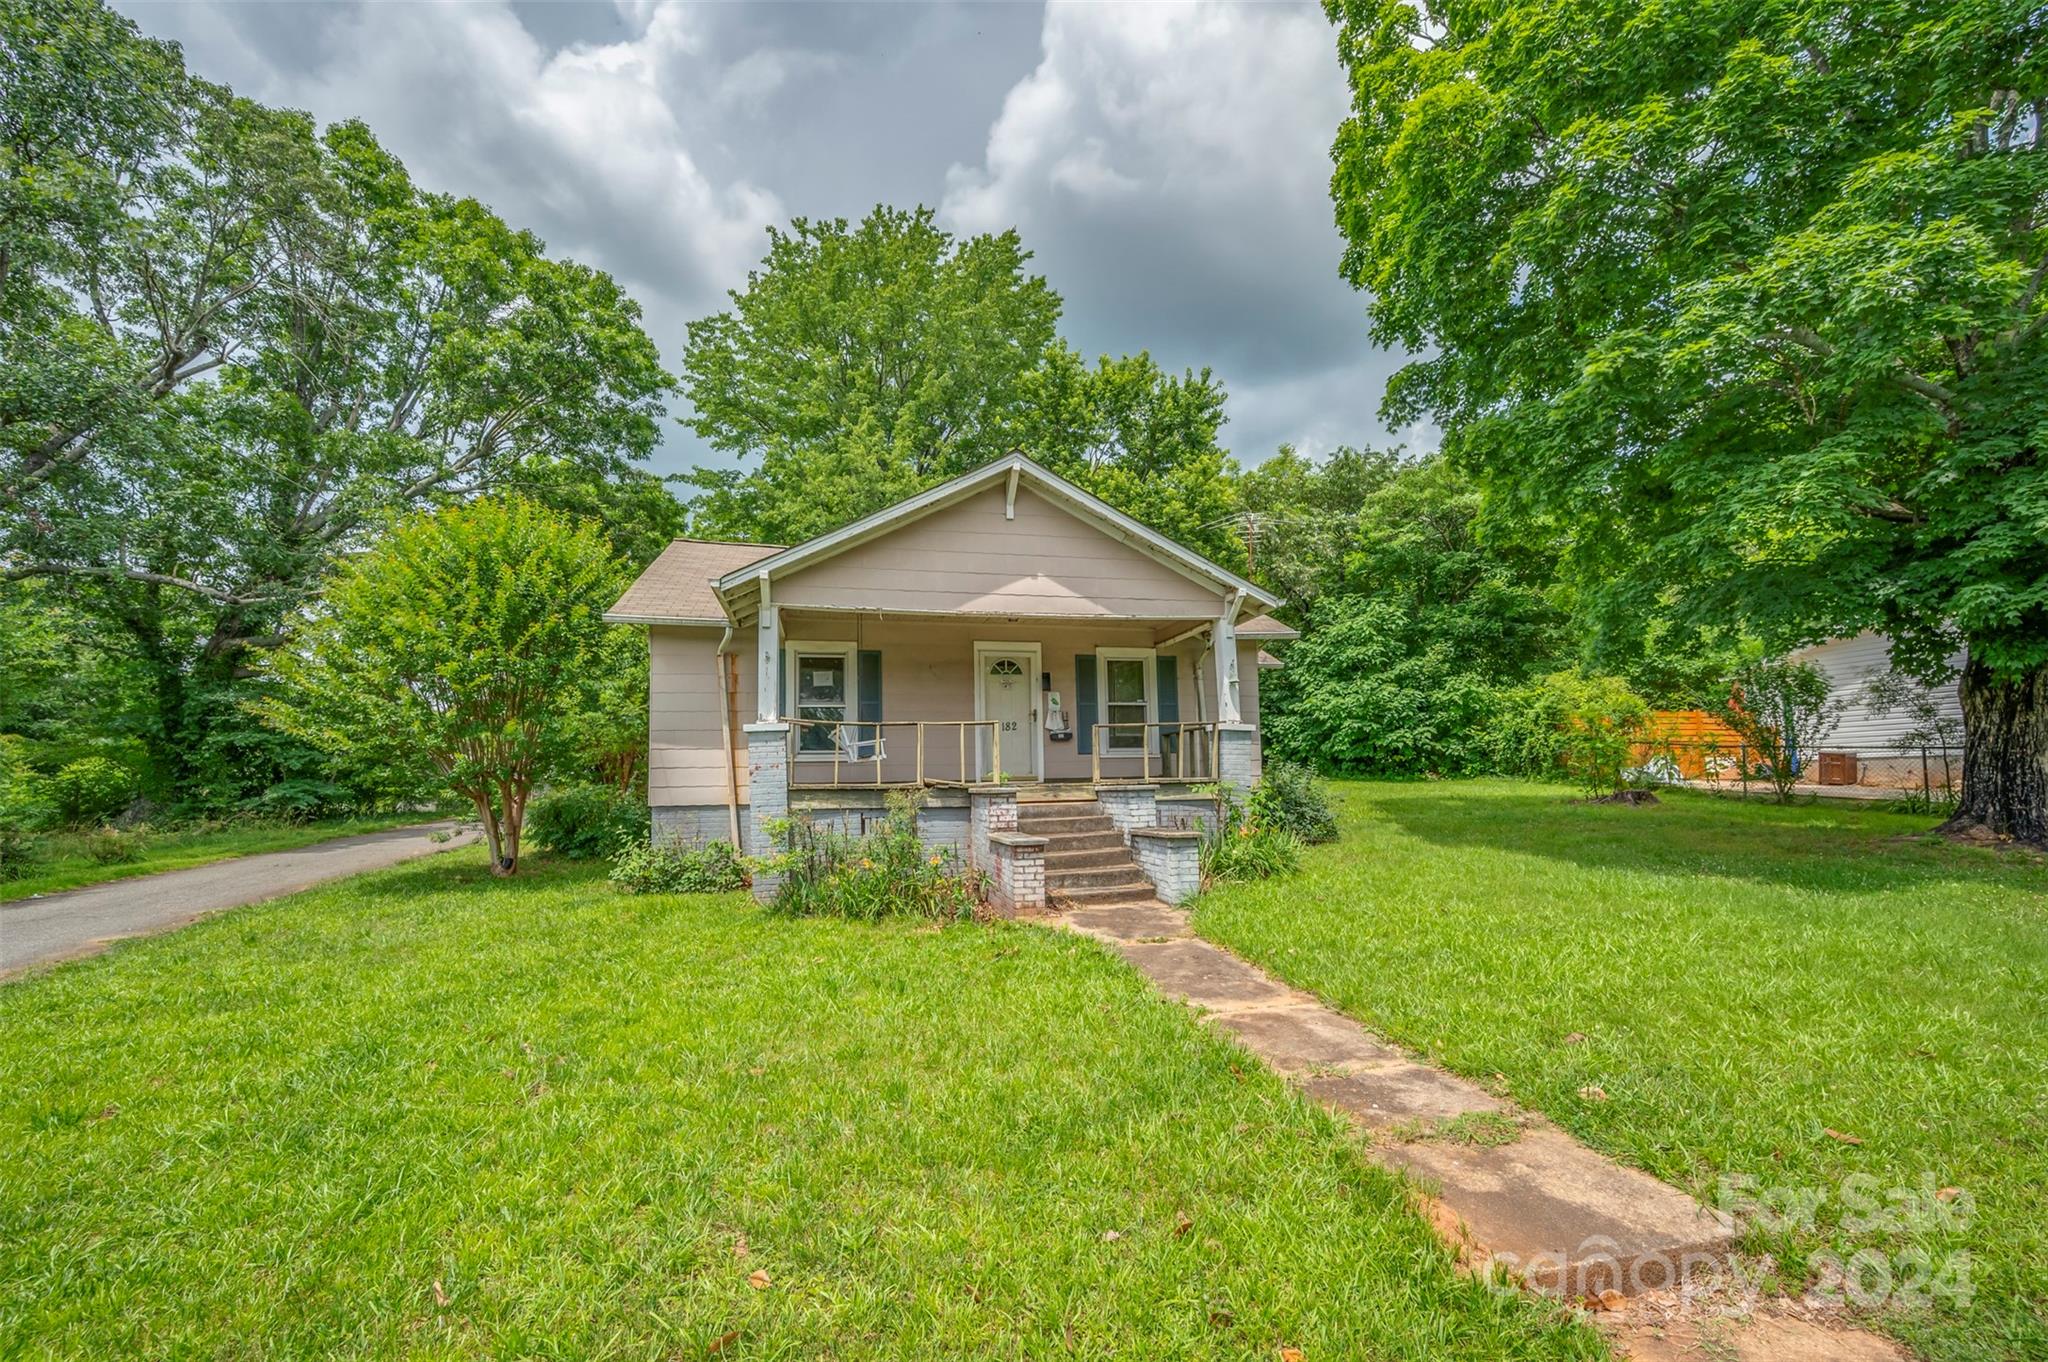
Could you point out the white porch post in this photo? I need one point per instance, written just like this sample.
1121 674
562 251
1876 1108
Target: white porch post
768 666
1225 641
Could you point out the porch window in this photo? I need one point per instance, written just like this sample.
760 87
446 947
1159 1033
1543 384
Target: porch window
824 697
1124 703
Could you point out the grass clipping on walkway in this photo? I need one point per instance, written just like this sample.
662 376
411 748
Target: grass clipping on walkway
428 1113
1821 999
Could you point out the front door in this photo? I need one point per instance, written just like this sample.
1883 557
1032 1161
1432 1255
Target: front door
1009 696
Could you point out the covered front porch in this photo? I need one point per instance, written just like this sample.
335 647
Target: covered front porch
878 701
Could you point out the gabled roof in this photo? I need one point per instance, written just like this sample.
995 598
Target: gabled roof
739 587
677 587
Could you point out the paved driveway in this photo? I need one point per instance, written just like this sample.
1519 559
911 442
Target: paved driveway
82 921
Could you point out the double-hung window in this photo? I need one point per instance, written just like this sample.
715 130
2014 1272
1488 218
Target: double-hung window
822 681
1124 706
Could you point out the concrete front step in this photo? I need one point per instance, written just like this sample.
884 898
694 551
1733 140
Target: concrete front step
1103 898
1087 861
1103 877
1059 857
1055 827
1059 843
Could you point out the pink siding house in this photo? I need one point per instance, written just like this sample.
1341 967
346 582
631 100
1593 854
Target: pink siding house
1003 631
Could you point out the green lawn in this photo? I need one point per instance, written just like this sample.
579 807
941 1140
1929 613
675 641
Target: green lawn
424 1113
68 867
1745 977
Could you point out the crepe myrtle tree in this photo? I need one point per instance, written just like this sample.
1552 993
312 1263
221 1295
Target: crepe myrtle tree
467 645
1748 303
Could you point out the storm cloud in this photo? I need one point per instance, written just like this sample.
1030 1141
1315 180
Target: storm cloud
1168 164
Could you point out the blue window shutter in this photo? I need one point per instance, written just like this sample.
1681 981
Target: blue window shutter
1084 702
870 686
1169 689
867 740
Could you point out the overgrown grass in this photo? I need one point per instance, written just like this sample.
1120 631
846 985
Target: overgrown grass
426 1113
66 864
1739 979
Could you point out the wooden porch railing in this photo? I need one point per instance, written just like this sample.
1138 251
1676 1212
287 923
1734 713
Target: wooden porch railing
863 744
1181 751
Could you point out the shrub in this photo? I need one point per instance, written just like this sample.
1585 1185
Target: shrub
1290 798
1242 847
887 872
1580 725
112 846
639 867
91 790
584 822
20 851
24 794
299 799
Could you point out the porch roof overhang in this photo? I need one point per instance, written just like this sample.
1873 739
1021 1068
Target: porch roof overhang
1169 625
739 590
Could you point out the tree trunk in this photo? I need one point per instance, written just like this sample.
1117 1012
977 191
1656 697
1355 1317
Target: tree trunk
514 825
488 816
2005 757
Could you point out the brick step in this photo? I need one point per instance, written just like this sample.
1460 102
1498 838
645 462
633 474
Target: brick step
1086 858
1056 843
1108 877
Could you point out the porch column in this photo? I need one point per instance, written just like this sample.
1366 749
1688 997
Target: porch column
767 795
768 665
1224 640
1237 756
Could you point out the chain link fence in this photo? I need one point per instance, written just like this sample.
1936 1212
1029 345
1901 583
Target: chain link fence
1921 774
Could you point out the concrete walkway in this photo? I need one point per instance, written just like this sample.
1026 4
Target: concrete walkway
1504 1187
78 922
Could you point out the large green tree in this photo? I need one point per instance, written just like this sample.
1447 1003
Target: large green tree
1143 439
1746 299
860 363
865 362
1298 517
229 341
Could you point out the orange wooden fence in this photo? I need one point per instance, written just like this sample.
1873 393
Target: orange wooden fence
1690 737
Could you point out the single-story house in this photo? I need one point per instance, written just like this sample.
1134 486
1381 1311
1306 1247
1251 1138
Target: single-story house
1004 629
1913 741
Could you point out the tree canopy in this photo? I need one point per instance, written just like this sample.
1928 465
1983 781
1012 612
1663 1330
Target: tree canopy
1746 301
864 362
230 341
1415 623
860 363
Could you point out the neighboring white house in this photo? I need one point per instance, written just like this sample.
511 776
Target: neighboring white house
1851 664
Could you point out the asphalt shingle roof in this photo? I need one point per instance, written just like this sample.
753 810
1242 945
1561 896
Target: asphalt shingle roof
677 585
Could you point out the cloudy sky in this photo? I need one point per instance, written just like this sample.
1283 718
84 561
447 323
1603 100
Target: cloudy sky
1168 164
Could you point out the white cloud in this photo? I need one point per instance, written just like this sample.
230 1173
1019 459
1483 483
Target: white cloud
1214 102
589 130
584 143
1170 166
